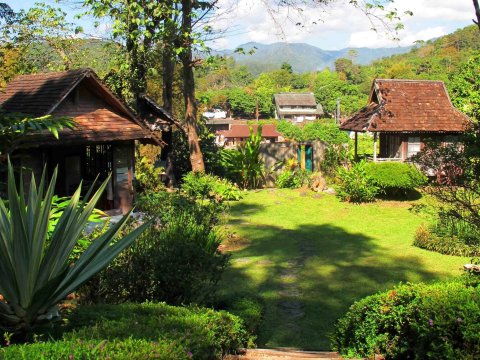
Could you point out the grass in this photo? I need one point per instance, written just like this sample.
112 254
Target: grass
317 255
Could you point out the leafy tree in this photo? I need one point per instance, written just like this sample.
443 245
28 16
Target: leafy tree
43 37
287 67
241 102
328 87
465 88
141 24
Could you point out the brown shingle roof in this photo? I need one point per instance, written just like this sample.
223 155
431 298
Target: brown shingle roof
100 116
296 99
243 131
408 106
37 94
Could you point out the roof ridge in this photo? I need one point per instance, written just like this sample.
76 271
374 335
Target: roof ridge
410 80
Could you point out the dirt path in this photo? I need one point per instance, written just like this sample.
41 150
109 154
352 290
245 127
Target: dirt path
270 354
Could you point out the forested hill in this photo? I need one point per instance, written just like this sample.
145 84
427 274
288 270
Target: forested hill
303 57
435 60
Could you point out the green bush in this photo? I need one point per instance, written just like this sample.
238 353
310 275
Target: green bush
356 185
140 331
203 186
293 179
439 238
177 260
148 177
395 178
413 321
249 309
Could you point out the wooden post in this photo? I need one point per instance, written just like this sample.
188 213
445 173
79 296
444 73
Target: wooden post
374 146
356 146
302 157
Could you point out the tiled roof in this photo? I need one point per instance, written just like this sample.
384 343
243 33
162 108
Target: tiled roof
408 106
100 116
37 94
295 99
243 131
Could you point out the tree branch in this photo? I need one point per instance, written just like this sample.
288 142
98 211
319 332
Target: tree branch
477 12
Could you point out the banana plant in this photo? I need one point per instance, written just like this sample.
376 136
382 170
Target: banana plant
35 271
252 163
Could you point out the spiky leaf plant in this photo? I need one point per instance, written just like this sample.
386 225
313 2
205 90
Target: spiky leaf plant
35 271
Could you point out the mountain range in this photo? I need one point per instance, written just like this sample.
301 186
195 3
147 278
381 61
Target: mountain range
303 57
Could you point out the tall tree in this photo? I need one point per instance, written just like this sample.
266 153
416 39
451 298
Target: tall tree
186 56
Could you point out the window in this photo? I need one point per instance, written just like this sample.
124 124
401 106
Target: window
414 145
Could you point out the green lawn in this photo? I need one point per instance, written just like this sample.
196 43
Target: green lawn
309 257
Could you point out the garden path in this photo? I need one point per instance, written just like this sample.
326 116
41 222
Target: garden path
270 354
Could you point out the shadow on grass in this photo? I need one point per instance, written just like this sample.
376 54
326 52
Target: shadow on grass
320 269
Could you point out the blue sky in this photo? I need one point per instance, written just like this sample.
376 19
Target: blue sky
337 26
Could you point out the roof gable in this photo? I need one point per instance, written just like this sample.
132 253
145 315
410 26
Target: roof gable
99 114
408 106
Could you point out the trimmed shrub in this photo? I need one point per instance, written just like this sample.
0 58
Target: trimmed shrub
356 185
395 178
437 238
203 186
140 331
413 321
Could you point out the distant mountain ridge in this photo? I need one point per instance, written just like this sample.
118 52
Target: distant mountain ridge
302 57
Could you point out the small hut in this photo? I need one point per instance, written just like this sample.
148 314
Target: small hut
102 142
404 114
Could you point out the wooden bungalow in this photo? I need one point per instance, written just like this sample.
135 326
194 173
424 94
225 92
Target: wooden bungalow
404 114
102 142
297 107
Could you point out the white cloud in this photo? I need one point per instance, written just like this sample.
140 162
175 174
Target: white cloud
338 25
375 39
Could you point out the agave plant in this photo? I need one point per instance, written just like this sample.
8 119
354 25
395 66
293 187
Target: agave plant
35 271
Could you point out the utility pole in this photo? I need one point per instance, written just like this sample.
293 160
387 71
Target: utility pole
337 112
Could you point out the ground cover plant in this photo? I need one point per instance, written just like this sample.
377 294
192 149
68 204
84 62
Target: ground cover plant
308 257
413 321
203 186
137 331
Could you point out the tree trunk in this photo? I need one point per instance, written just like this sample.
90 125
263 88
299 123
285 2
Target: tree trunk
196 156
168 69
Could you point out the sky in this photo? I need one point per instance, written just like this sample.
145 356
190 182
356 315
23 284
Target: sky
336 26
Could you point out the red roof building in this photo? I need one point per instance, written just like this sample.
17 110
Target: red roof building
403 114
238 133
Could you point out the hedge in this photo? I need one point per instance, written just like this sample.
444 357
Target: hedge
138 331
413 321
395 177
